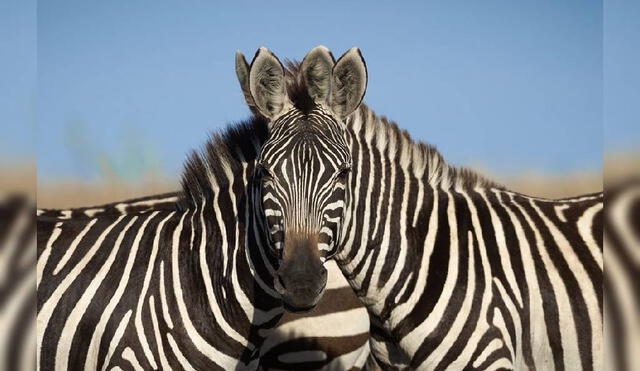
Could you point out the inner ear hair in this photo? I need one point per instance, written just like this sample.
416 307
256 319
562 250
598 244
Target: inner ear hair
349 83
316 71
267 84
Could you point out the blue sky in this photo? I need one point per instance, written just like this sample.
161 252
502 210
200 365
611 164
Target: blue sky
622 75
511 86
17 80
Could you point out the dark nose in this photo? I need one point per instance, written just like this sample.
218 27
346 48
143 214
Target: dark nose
301 286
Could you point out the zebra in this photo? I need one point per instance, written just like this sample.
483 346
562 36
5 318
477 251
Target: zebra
325 338
622 269
296 343
302 341
456 271
17 282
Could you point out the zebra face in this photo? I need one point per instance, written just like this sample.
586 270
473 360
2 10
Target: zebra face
303 166
303 169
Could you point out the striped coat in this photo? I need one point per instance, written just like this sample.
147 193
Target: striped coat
456 272
89 255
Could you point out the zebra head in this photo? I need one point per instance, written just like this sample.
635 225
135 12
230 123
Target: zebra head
301 173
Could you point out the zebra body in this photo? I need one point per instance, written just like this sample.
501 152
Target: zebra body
120 294
455 271
296 342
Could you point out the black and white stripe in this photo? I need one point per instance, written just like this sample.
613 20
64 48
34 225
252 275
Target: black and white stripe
124 285
137 291
455 271
17 282
303 169
334 336
622 269
459 273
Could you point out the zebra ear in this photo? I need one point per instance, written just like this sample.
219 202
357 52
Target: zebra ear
242 71
316 71
267 84
349 82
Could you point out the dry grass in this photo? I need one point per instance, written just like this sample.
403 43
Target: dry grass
619 166
69 193
552 186
73 193
18 178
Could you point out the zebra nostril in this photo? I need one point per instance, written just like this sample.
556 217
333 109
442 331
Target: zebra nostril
323 272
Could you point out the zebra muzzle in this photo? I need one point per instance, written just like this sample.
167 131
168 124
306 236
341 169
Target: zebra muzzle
301 288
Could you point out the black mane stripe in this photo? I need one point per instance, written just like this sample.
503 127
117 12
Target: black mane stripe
228 149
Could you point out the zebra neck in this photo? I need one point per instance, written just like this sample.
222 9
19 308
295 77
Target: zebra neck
235 246
394 185
218 186
224 281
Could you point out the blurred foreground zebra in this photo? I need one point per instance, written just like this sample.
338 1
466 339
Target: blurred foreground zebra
17 282
622 275
455 271
153 283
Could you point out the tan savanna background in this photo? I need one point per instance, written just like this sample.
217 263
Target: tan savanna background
69 192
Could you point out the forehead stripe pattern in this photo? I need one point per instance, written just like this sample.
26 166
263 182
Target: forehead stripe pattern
307 151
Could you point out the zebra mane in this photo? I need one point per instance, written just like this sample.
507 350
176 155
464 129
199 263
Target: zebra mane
296 86
417 157
226 152
223 158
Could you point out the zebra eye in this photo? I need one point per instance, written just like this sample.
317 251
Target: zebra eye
343 172
265 174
